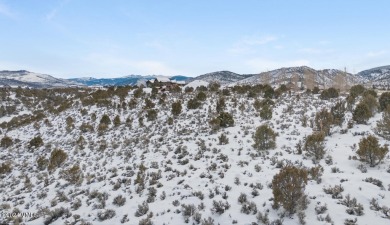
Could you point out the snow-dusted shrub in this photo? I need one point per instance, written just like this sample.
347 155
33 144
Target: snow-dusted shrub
145 221
374 182
188 210
220 207
301 217
142 209
223 139
242 198
73 175
249 208
55 214
208 221
151 195
198 194
263 218
315 173
176 203
119 200
362 168
335 191
106 214
353 207
350 221
320 209
76 204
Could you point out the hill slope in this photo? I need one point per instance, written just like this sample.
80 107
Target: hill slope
222 77
178 169
30 79
302 74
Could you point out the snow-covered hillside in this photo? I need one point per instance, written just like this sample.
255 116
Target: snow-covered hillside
222 77
30 79
303 74
379 77
103 160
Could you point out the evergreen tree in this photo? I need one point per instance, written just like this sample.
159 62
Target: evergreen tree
105 120
6 142
338 112
117 121
351 99
384 100
362 113
329 93
268 91
149 104
370 92
372 103
226 119
151 114
36 142
266 112
221 105
288 188
383 126
257 105
193 104
357 90
316 90
188 89
315 145
264 138
176 108
137 93
324 121
201 96
370 151
214 86
226 92
57 158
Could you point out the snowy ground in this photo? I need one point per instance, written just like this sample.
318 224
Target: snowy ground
186 159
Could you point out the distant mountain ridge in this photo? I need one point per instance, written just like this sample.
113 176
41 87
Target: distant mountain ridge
222 77
379 77
304 75
34 80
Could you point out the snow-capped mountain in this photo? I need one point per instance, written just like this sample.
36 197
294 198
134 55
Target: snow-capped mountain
302 74
378 73
379 76
30 79
121 81
222 77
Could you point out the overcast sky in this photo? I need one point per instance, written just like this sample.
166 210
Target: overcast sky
78 38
